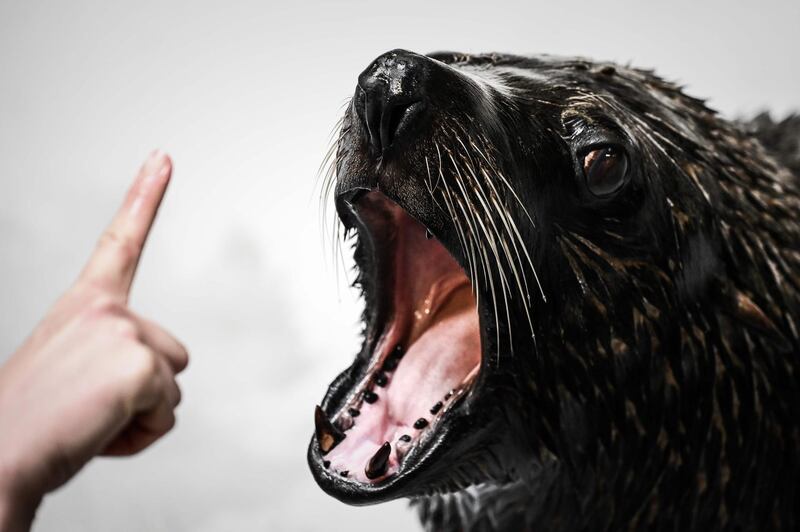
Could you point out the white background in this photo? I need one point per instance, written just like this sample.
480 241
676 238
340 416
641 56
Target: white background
244 97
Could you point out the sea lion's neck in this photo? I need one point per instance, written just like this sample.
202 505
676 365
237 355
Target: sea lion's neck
495 507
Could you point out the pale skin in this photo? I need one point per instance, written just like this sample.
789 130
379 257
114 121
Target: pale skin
93 378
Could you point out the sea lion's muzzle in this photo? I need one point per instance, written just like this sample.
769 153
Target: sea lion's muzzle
391 96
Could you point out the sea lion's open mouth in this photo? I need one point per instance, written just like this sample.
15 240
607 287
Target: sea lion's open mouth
422 352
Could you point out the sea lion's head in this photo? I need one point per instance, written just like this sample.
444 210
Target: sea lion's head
536 240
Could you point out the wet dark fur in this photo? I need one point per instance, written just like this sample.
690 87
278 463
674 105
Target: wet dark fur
660 389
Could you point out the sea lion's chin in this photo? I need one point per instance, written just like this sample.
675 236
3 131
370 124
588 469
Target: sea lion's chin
387 422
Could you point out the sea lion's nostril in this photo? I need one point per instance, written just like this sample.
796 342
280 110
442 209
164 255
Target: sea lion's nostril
392 119
372 112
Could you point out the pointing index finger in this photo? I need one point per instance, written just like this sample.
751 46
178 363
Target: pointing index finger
113 263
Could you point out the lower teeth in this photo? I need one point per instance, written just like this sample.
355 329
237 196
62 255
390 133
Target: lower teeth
329 434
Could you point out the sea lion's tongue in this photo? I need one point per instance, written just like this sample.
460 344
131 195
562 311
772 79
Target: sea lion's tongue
445 348
435 309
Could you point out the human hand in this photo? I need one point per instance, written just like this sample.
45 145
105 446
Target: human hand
93 377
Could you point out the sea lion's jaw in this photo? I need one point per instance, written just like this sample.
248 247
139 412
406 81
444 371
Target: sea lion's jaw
397 420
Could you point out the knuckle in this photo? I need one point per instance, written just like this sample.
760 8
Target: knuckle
182 356
124 247
99 305
126 328
144 366
178 396
162 422
169 422
115 326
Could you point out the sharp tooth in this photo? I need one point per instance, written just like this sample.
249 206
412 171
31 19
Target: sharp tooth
345 422
328 436
428 234
379 463
393 359
370 396
402 447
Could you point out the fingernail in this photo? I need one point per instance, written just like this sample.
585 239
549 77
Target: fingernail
165 169
155 158
156 165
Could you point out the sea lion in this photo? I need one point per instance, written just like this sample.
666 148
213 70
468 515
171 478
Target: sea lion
582 301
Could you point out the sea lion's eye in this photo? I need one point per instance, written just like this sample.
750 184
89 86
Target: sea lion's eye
605 168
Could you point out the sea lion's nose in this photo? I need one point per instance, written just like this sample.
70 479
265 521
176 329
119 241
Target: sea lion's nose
391 93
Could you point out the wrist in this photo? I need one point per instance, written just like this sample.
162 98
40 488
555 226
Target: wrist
17 508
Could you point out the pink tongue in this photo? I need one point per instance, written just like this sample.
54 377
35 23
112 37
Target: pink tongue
438 360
